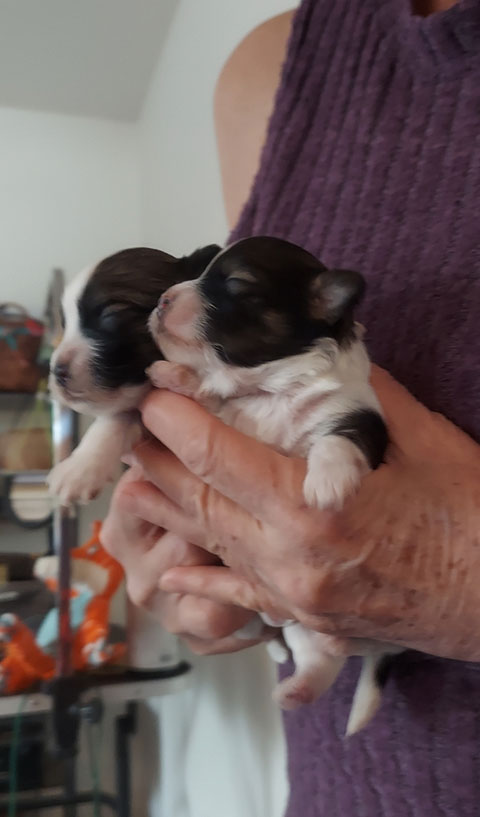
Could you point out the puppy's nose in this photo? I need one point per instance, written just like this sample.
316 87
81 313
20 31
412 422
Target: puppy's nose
165 301
61 373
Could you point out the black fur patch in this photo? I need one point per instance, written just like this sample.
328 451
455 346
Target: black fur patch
267 299
116 303
383 670
366 429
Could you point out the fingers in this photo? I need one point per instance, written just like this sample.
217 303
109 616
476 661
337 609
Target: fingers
207 448
207 627
124 536
205 518
169 475
146 551
143 500
218 646
202 618
218 584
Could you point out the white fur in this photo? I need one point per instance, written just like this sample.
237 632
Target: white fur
367 698
95 462
277 651
318 662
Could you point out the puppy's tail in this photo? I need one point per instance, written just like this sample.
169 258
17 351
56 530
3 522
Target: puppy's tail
368 693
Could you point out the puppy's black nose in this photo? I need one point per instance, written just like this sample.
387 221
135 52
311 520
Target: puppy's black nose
61 373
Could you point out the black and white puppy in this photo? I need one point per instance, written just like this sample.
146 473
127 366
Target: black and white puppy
266 339
98 369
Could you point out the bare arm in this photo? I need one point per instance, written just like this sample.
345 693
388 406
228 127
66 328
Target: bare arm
244 100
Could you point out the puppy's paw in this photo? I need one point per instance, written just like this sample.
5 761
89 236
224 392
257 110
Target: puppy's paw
78 479
278 651
172 376
293 692
335 468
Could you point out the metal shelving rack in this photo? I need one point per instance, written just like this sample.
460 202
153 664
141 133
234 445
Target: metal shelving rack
71 697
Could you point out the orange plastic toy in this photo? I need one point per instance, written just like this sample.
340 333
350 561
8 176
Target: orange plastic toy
90 642
23 662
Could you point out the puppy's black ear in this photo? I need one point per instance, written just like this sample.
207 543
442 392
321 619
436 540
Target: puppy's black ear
335 292
199 260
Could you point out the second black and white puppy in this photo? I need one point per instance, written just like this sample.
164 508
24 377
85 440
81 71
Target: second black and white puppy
266 340
99 366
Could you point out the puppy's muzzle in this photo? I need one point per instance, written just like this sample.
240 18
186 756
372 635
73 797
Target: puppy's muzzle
165 302
61 373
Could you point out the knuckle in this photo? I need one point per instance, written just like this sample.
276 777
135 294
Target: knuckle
140 590
199 453
197 501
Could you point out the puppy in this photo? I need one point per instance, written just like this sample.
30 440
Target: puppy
265 338
99 366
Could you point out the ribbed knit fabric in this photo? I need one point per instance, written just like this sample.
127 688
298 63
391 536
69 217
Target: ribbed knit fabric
372 161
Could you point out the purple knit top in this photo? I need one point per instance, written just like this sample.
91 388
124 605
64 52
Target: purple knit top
372 161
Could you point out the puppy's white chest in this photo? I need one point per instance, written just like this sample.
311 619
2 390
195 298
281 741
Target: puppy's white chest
264 417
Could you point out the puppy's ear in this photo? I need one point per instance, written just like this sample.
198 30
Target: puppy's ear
199 260
333 293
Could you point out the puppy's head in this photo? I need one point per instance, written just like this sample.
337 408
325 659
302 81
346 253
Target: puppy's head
260 300
99 365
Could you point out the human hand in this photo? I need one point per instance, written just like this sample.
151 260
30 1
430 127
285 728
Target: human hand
399 563
145 552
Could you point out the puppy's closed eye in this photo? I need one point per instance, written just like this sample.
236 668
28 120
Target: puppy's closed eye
111 315
242 283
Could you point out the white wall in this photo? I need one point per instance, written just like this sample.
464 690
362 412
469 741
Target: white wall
222 743
182 200
69 194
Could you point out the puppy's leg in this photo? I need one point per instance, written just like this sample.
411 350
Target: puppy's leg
318 660
95 461
335 468
173 376
277 650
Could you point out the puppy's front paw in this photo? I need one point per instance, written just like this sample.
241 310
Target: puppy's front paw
335 468
78 479
172 376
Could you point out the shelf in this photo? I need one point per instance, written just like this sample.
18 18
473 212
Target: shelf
111 687
26 476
